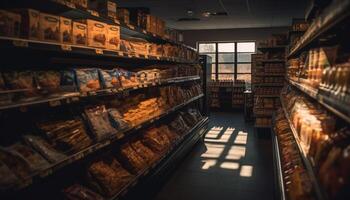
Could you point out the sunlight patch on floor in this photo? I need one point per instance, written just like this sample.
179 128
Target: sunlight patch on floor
235 153
208 163
246 171
241 138
229 165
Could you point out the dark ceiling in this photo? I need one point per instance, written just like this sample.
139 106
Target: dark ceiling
241 13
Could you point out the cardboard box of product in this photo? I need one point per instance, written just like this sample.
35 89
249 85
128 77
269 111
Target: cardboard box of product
66 30
30 25
113 37
154 24
96 34
138 16
10 24
81 3
160 27
49 27
123 15
105 8
79 33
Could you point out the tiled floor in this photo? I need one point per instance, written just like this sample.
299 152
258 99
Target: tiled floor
232 164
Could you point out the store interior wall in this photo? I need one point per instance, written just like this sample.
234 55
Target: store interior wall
191 37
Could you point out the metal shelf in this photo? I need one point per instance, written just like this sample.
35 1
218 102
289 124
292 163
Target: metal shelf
273 61
165 160
73 97
25 44
99 145
267 95
271 48
269 74
341 110
305 159
268 84
332 15
277 161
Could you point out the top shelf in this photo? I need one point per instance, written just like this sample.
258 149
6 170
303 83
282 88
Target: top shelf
271 48
69 10
336 12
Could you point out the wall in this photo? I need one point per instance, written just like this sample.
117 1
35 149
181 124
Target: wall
191 37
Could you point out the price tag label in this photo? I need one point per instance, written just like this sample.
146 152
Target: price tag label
146 56
70 5
137 55
144 31
117 21
94 13
66 47
120 53
131 27
158 58
129 55
99 51
154 35
55 103
20 43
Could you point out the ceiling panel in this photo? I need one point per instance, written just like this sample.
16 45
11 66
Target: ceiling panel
241 13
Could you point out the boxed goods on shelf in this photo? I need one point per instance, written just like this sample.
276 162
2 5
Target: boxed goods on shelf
138 16
87 80
79 33
81 3
49 27
106 8
96 33
113 37
30 23
10 24
123 15
66 30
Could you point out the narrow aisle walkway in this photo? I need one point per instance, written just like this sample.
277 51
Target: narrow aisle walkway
233 164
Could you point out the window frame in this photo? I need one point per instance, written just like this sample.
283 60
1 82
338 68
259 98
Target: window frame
235 62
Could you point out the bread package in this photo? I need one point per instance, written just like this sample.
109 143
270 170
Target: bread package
10 24
113 37
87 80
108 176
79 192
133 160
109 78
152 140
96 33
20 80
66 30
99 122
35 160
7 178
49 27
48 81
128 79
45 149
172 136
67 135
15 163
107 8
68 82
117 120
79 33
146 153
123 15
81 3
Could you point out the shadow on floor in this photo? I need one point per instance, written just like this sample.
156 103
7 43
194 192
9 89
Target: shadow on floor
233 163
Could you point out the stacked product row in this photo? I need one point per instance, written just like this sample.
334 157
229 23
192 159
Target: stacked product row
35 25
324 142
42 83
65 133
224 92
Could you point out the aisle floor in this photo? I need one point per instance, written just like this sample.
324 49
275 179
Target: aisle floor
233 163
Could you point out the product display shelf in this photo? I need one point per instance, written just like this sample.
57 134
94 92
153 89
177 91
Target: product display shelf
273 61
43 46
148 177
265 74
333 105
280 191
269 84
331 16
262 126
99 145
74 97
267 95
306 161
271 48
68 9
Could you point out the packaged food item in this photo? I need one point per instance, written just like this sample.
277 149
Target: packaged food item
133 161
146 153
15 163
79 33
49 27
108 176
99 122
109 78
10 24
128 79
67 135
46 150
117 120
97 33
66 30
172 136
79 192
123 15
81 3
160 29
152 140
138 16
49 81
68 81
87 80
113 37
138 46
179 125
7 178
20 80
107 8
35 160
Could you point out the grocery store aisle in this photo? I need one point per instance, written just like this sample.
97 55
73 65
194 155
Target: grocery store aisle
232 164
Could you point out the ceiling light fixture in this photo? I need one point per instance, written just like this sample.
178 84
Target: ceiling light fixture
206 14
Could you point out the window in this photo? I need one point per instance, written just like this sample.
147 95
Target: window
230 60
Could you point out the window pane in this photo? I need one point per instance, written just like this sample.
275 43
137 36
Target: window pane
244 57
226 68
244 68
226 57
246 47
226 77
207 48
246 77
211 55
226 47
213 68
213 77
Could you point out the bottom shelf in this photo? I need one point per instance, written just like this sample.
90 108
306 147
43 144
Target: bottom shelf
157 172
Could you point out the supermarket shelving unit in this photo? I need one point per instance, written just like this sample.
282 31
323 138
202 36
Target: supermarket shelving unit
48 55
